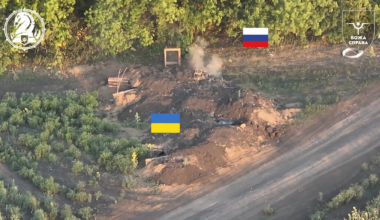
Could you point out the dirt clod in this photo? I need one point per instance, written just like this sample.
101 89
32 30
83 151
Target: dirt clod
122 99
135 80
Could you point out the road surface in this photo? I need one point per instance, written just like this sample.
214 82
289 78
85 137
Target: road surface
291 182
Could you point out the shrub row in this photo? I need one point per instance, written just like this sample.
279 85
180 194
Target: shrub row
67 121
354 192
104 28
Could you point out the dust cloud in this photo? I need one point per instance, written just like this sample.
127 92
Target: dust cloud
197 55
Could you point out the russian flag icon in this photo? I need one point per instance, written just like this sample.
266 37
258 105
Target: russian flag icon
255 37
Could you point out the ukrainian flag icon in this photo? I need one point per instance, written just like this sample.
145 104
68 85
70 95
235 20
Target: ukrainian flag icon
165 123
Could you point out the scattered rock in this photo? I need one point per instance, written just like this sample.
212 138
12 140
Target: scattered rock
269 129
243 125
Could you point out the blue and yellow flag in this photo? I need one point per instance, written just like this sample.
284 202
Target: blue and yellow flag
165 123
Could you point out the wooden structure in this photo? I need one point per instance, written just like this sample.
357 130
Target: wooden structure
117 81
178 50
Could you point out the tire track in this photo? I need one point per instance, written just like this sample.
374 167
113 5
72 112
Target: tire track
342 143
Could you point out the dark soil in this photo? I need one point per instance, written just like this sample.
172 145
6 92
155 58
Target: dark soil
201 105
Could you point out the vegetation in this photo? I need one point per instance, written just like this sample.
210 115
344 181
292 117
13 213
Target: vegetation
268 210
45 129
136 123
129 182
371 211
354 192
115 28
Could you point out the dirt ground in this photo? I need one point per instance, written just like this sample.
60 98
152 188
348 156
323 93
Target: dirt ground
207 154
320 157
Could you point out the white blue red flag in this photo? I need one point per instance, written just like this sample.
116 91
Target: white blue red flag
255 37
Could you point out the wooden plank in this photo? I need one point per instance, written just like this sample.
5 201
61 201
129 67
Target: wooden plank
173 49
116 80
120 93
171 63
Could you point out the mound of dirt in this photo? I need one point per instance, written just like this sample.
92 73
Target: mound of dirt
203 106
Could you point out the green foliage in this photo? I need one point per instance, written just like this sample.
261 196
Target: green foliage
73 152
51 207
64 124
136 123
371 211
114 22
42 151
98 194
15 213
111 28
121 196
67 213
39 215
129 182
85 213
354 192
52 158
268 210
77 167
365 166
318 215
49 186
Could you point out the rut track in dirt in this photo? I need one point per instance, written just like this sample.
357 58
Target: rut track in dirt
314 164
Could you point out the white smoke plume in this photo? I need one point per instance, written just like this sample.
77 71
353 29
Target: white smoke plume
214 67
197 55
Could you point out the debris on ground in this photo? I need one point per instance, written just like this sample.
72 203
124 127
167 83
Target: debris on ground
200 75
222 122
203 107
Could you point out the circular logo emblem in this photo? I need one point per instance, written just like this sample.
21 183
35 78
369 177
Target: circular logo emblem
22 31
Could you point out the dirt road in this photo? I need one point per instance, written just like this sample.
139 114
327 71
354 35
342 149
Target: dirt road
291 182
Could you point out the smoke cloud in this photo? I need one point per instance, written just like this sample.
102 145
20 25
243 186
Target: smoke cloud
197 54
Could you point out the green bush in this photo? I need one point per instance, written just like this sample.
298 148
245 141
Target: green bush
318 215
73 152
49 186
52 158
376 160
129 182
77 167
101 26
373 179
81 185
67 213
85 212
39 215
51 207
98 194
365 166
15 212
42 151
268 210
